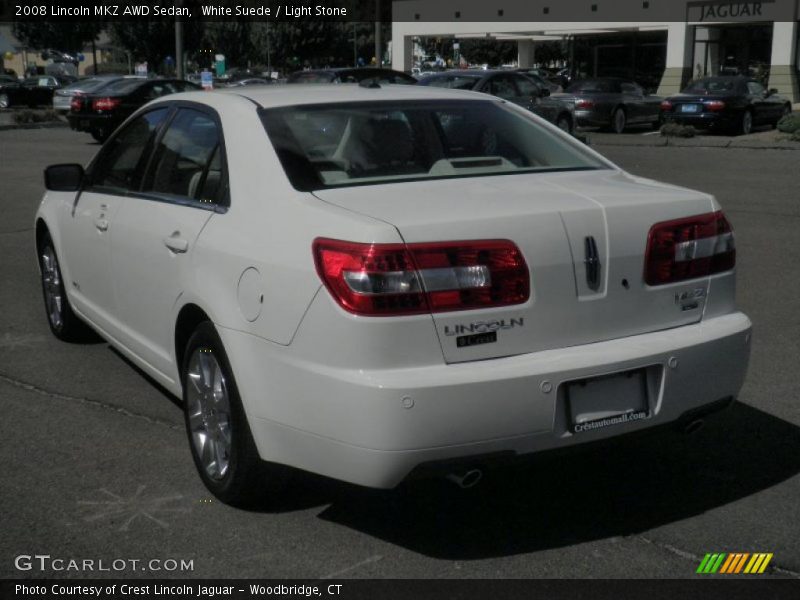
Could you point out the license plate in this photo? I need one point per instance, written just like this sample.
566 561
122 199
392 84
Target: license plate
609 400
691 108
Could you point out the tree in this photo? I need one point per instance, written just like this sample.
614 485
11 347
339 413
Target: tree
153 41
487 51
53 35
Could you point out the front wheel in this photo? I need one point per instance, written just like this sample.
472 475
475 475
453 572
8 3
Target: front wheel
63 322
746 124
221 442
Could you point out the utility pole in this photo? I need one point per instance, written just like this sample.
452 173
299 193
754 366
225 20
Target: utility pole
178 48
378 41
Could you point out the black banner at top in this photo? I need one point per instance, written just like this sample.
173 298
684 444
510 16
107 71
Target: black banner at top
534 11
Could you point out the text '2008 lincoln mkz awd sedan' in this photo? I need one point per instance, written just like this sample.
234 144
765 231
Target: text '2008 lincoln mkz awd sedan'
358 280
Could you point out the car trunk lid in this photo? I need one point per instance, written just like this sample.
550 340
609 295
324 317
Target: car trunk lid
560 222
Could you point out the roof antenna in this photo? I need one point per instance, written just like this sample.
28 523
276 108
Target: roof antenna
371 83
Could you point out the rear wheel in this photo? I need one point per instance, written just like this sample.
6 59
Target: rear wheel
63 322
5 101
99 134
219 434
618 120
564 123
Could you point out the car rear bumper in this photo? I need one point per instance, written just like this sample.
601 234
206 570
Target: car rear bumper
374 427
703 120
90 122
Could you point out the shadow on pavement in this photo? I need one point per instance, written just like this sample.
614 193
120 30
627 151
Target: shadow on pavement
609 489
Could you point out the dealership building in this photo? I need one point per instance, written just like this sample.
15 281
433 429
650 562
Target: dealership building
661 43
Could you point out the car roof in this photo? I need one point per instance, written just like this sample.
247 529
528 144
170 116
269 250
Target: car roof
288 95
273 96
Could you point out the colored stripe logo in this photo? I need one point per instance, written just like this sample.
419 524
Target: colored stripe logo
735 563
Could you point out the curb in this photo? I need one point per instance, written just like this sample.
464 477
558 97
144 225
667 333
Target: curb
662 142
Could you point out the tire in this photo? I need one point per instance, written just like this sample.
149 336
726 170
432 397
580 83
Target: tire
564 123
746 124
99 135
787 110
618 120
219 435
63 322
5 101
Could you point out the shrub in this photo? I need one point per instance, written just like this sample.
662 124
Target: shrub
24 117
795 136
789 123
677 130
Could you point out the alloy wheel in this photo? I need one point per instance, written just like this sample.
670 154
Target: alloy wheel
619 120
51 282
209 413
747 122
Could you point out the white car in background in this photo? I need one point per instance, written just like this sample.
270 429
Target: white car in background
356 281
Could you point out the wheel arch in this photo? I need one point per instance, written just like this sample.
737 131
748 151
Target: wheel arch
189 317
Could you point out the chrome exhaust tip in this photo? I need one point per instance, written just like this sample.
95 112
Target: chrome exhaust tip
467 479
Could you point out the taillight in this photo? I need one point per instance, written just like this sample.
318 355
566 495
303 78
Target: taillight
407 279
689 248
584 103
714 105
76 103
666 105
105 103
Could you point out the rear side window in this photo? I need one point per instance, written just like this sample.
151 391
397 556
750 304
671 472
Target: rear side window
122 161
187 162
456 82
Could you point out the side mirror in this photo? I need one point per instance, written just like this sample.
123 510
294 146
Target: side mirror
63 178
772 91
544 92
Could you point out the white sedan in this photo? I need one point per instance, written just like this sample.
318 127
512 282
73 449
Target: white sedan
357 281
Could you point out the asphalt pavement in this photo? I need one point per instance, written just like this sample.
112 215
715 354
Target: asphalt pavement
97 465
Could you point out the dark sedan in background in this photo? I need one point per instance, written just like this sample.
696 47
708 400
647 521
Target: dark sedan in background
351 75
33 91
101 113
512 86
734 104
62 99
612 103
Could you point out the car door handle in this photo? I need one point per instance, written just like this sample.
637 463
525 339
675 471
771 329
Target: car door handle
101 224
176 244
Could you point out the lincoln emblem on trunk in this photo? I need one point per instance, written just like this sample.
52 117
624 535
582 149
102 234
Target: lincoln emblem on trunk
592 262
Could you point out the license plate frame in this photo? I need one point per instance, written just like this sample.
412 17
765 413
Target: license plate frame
607 400
691 109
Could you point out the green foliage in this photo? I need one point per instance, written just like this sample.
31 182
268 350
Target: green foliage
677 130
63 36
790 123
491 52
25 117
153 41
795 136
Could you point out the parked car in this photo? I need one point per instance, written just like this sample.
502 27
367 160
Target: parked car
733 104
102 112
250 81
354 281
542 81
33 91
509 85
612 103
62 98
351 75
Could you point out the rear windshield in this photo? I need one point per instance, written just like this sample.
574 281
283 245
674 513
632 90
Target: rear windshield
457 82
123 86
712 85
602 86
334 145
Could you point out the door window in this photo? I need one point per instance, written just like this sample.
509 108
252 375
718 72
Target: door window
503 87
188 160
122 161
631 88
528 87
755 88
